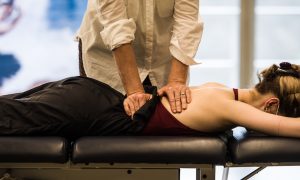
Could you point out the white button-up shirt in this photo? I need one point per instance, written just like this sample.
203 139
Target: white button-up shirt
158 29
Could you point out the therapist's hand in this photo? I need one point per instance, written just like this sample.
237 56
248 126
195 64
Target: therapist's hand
178 94
135 101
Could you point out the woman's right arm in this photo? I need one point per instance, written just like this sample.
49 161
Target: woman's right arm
242 114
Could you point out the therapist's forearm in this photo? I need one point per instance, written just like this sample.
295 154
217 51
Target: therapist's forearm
178 72
126 62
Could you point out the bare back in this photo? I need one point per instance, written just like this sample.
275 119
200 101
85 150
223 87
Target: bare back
214 109
204 113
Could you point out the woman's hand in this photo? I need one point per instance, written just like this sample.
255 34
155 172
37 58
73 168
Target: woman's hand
178 94
135 101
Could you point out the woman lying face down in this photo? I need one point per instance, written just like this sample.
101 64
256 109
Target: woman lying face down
216 108
79 106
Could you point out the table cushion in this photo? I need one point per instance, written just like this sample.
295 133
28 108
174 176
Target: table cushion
150 149
33 149
253 147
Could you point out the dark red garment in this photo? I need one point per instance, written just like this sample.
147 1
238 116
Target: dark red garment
162 122
236 94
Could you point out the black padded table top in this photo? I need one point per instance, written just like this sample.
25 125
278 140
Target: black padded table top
150 149
252 147
33 149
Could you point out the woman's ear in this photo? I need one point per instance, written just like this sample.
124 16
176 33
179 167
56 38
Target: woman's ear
272 105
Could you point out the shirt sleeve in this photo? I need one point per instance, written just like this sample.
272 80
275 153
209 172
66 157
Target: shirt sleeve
187 31
117 28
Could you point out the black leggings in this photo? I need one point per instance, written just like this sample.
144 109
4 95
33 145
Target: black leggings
72 107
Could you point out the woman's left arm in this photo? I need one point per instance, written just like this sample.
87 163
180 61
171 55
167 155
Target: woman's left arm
242 114
186 36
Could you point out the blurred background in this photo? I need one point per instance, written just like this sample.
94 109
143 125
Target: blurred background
240 38
37 42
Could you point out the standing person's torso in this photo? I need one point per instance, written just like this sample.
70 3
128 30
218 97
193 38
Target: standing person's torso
154 22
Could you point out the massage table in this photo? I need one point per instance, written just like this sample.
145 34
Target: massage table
253 149
140 157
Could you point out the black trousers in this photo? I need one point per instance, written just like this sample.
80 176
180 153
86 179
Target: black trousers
73 107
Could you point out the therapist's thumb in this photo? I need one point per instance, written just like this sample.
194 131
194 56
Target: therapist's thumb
160 92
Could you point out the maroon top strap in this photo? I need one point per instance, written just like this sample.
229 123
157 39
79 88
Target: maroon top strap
236 94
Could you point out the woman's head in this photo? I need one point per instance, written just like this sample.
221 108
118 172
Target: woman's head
284 82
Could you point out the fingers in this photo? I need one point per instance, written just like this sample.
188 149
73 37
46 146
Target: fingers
141 102
134 102
129 107
126 108
162 91
183 98
188 95
179 96
177 100
174 99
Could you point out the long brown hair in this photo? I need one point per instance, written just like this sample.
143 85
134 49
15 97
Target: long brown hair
284 82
